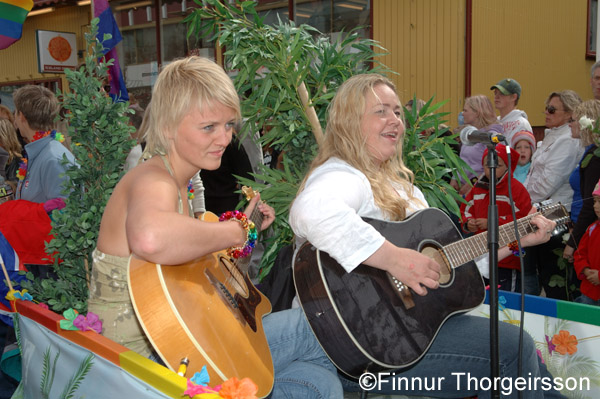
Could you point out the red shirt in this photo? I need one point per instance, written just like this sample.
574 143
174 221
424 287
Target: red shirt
588 255
477 207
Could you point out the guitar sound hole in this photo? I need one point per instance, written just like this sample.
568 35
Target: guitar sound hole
233 276
438 256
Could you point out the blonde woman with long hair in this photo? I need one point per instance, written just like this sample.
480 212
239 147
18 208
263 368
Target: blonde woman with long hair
358 173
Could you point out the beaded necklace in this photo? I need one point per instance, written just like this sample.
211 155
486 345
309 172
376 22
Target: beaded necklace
22 172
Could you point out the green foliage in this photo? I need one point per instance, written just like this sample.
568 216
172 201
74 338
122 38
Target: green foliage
271 63
100 142
428 153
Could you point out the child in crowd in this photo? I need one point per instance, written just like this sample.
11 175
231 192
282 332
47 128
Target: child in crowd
474 212
523 142
587 260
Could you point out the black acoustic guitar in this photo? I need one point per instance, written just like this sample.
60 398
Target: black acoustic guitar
367 320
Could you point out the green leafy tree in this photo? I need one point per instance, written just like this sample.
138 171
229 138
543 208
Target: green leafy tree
100 142
287 75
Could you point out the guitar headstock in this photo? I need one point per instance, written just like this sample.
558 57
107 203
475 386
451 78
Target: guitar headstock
558 213
249 193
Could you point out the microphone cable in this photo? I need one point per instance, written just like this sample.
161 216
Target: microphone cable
522 271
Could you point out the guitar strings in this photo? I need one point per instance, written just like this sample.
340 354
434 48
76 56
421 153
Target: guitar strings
462 251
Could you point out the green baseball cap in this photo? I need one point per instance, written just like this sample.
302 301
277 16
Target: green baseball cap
507 87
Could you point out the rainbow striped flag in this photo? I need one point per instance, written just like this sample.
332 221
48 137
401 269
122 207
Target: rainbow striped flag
12 16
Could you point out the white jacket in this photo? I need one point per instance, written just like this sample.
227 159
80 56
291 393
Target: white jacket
551 166
513 122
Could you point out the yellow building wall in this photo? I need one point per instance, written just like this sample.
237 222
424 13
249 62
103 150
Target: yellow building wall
426 44
19 62
540 43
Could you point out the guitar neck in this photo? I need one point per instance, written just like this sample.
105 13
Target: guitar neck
471 248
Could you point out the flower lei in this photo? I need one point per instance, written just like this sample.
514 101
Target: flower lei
251 234
22 172
190 190
197 387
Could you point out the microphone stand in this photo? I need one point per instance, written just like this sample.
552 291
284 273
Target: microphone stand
493 232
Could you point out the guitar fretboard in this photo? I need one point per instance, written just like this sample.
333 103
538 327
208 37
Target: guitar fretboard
461 252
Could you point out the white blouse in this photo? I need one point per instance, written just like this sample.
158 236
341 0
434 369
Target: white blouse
328 213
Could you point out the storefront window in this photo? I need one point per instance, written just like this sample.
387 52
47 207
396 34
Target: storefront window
141 58
334 16
7 89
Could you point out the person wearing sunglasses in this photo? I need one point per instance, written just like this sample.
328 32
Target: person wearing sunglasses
507 93
548 178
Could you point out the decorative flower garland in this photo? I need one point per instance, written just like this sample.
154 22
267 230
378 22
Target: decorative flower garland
514 248
190 189
22 172
251 234
197 387
72 319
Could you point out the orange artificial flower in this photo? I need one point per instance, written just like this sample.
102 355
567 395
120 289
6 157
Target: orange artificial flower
236 389
565 342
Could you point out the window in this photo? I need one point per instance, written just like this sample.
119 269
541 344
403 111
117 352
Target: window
7 89
330 16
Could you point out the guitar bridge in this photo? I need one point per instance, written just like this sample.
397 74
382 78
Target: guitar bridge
402 291
225 295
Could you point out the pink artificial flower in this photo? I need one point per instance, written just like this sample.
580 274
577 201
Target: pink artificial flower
89 322
551 346
193 389
43 305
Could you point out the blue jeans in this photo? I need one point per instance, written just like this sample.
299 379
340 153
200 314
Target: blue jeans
587 300
458 364
302 369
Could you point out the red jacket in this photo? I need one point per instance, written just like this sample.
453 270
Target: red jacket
586 256
477 207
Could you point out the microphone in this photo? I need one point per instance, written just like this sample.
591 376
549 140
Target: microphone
471 136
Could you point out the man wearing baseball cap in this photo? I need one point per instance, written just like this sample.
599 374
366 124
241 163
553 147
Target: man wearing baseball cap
506 96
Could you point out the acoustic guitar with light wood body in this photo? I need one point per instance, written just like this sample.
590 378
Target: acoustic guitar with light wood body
208 311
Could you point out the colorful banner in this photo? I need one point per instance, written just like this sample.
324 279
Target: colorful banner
12 17
566 336
53 365
107 24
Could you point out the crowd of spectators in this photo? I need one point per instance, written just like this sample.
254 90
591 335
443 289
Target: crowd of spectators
561 168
